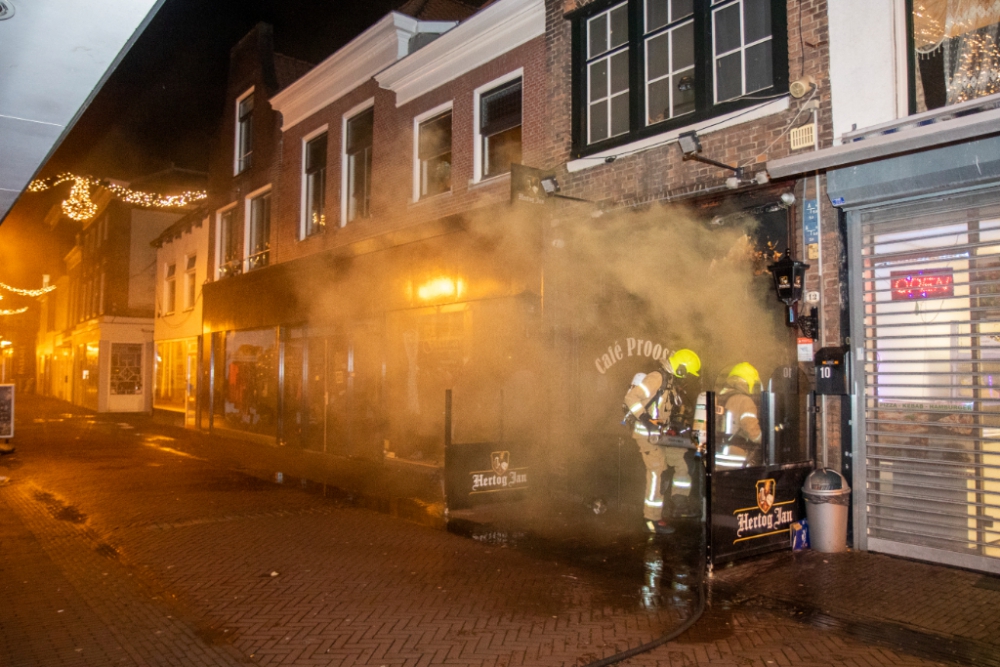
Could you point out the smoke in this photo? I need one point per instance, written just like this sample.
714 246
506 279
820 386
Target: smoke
665 273
508 311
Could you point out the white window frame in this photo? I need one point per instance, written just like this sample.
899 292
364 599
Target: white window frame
238 128
351 113
190 278
417 120
219 256
303 222
717 6
477 146
606 56
246 222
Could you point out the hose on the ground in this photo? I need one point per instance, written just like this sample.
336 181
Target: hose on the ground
680 629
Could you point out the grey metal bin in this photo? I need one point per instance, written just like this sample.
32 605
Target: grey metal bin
828 499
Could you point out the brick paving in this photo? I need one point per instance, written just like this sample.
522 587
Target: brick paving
159 549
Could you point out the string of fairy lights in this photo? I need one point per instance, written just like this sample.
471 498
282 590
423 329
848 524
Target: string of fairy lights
22 292
80 207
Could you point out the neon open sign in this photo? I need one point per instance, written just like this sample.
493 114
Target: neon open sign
930 284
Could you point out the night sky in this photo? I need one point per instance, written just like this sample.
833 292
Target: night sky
163 104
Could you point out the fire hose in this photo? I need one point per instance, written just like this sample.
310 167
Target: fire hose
699 607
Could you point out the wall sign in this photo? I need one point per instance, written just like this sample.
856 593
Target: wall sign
928 284
6 411
632 347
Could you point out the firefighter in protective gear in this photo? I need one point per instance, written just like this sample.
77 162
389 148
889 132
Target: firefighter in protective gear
655 408
741 427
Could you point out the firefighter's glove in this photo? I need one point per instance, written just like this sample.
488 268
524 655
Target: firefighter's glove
647 421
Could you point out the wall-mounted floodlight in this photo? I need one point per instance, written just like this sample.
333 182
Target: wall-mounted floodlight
551 187
691 147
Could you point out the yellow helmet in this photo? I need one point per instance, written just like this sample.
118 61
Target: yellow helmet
747 373
687 360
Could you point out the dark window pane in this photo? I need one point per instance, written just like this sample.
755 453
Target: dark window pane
598 80
619 26
619 72
619 115
759 67
657 14
680 9
500 150
316 154
658 56
435 136
359 131
756 20
658 101
598 37
683 50
727 29
436 175
728 79
500 108
359 169
598 121
684 92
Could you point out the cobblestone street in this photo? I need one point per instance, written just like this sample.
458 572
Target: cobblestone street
125 542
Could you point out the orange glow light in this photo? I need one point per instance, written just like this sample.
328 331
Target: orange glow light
439 288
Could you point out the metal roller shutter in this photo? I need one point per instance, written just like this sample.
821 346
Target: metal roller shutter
927 325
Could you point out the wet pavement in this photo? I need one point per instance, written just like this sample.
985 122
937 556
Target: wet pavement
125 541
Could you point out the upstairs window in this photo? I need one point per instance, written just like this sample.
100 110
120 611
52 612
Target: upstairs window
358 161
259 232
170 290
190 282
314 176
244 131
228 259
956 52
434 155
500 128
642 67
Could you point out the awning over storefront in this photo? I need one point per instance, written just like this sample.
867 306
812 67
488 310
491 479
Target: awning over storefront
939 127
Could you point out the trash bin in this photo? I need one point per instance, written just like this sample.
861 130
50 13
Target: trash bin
828 499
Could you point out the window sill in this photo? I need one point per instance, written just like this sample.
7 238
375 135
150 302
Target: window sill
440 195
705 127
489 180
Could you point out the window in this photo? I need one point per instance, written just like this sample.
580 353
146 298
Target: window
170 290
956 53
190 282
643 67
259 232
126 368
500 128
228 259
314 177
434 155
244 131
358 160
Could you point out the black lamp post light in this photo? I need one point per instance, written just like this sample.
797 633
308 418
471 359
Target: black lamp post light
789 277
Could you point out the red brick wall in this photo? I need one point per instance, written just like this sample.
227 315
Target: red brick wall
392 159
251 64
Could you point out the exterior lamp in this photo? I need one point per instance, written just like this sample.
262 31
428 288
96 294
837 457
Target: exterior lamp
789 277
691 147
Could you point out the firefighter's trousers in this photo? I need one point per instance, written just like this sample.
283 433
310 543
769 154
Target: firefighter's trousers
660 461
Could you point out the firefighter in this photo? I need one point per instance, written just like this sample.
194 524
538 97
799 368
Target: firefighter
741 427
655 408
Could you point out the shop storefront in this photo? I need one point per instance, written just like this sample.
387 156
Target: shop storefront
175 377
351 354
924 257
